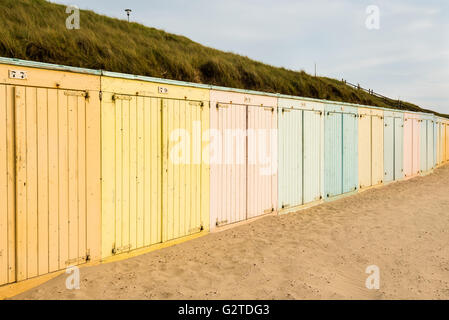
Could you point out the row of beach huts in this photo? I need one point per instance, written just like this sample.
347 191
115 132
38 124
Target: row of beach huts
96 164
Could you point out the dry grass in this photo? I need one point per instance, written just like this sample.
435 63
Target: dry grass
35 30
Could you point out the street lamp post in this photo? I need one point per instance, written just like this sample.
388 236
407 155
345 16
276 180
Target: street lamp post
128 11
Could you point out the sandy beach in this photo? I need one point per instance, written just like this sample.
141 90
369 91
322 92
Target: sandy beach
317 253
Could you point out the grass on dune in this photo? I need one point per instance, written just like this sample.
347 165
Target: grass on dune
35 30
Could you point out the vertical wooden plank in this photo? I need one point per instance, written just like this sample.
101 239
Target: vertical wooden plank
10 131
170 170
184 109
160 168
205 166
126 174
82 175
219 175
213 165
73 177
53 180
21 189
149 198
188 178
119 154
42 127
197 213
140 172
195 109
416 146
389 127
255 197
4 230
178 105
240 191
232 164
250 165
133 173
166 204
273 161
378 149
108 166
257 191
408 146
283 139
244 167
93 149
63 179
364 138
227 188
32 171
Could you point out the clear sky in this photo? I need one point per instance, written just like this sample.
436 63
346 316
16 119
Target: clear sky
407 57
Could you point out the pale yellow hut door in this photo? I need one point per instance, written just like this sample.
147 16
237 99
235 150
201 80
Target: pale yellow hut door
51 170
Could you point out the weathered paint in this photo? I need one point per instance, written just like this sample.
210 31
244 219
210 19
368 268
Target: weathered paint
300 143
389 147
435 141
371 148
155 171
50 194
438 140
399 146
426 143
340 150
430 143
393 146
441 141
262 160
243 156
446 141
411 144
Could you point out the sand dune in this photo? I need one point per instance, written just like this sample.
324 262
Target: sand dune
318 253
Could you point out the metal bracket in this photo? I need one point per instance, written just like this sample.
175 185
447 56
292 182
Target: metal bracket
220 105
75 93
121 97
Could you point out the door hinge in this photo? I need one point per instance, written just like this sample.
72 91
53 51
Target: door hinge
221 105
220 223
100 95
